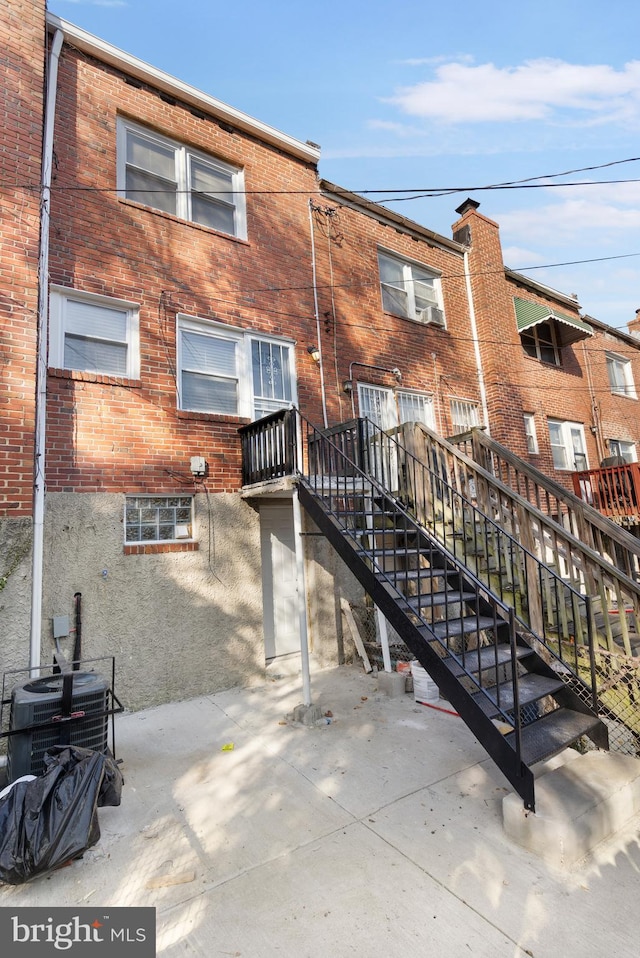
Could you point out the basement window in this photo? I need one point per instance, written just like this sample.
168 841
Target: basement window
151 519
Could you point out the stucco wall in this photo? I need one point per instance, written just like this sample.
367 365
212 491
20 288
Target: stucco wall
16 538
180 624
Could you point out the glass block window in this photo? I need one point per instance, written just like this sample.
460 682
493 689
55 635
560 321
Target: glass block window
158 518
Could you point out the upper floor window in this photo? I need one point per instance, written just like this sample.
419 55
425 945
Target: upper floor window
530 432
541 342
464 415
620 376
623 449
95 334
567 444
177 179
410 290
226 371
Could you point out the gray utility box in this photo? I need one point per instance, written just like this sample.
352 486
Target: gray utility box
39 702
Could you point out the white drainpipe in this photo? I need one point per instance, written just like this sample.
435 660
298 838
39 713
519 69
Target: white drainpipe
476 345
41 360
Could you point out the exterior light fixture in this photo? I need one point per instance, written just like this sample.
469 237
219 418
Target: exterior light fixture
348 385
314 352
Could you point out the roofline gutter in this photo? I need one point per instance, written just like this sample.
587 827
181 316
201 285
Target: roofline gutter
125 62
384 215
35 635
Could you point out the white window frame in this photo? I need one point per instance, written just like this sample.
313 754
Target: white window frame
537 348
247 400
150 504
564 450
464 413
389 403
59 299
432 312
531 432
413 398
183 176
620 374
624 448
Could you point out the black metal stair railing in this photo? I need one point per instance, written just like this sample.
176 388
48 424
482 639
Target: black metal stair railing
556 613
464 635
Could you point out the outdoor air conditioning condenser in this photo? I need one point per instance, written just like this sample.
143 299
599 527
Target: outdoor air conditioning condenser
37 721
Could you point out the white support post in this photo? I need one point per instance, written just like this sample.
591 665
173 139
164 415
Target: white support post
384 640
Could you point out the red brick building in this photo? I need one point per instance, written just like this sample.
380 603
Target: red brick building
195 275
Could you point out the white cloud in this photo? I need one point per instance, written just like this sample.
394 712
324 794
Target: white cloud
540 90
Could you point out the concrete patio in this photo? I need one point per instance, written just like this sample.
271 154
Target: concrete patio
377 834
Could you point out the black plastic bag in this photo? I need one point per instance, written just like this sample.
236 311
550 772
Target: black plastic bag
53 819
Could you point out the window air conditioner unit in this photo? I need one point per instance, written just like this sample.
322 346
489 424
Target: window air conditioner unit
37 723
431 314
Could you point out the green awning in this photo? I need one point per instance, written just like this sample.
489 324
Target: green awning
569 329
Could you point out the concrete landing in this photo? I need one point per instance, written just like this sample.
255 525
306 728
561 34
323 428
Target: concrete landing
579 803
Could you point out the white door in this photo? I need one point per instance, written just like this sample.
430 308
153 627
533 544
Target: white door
279 580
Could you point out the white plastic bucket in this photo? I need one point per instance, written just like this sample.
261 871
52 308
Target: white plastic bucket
425 690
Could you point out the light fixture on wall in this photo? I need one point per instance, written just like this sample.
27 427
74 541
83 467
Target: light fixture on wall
348 385
314 352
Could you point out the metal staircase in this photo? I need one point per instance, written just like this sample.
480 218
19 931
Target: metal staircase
508 667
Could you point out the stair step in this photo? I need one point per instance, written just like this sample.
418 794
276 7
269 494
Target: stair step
552 733
531 687
440 598
480 660
468 623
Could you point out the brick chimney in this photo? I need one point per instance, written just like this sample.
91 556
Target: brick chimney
634 325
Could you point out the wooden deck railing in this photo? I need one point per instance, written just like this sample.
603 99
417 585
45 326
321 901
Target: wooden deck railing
613 490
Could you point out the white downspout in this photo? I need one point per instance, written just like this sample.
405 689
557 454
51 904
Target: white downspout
476 345
317 315
41 359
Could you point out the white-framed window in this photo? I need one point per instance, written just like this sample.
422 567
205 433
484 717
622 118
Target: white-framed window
231 372
410 290
158 519
416 407
464 415
388 408
620 376
91 333
170 176
568 447
530 432
541 342
623 449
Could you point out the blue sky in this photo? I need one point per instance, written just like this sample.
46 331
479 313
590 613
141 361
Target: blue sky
418 96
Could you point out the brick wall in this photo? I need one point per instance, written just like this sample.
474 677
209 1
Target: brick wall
22 37
577 391
108 435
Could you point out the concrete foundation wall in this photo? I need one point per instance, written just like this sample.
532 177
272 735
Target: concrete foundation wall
180 624
16 539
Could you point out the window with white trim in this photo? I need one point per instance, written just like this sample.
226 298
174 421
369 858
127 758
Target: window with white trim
541 342
229 372
568 446
416 407
620 376
410 290
387 408
530 432
623 449
464 415
95 334
158 519
170 176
